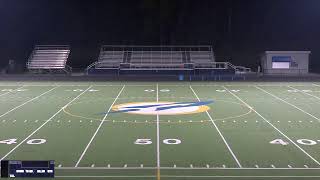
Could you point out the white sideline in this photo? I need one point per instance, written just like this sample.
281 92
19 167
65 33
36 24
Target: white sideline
305 93
316 161
222 137
97 130
27 102
44 124
288 103
182 168
204 176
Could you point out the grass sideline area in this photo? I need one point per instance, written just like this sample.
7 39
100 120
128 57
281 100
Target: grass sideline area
165 130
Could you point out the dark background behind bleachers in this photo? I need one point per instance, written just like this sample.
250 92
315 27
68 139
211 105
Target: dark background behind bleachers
255 26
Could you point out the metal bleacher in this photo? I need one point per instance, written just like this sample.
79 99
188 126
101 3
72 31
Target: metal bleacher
158 58
49 58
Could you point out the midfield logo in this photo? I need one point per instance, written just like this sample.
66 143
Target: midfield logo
162 108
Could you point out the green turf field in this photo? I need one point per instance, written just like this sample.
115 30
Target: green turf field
165 130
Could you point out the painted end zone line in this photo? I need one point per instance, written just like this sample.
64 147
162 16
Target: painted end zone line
95 133
27 102
224 140
43 124
316 161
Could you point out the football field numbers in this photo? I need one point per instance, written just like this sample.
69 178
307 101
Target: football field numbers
232 90
149 141
161 90
31 141
81 90
11 90
296 90
306 142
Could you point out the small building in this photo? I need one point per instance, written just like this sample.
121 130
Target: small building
285 62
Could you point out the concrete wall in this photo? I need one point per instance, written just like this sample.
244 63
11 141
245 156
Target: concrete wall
299 62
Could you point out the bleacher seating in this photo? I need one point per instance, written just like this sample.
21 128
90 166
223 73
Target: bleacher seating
122 59
201 58
48 58
110 59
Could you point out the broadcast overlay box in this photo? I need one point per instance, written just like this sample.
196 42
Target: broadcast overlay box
28 169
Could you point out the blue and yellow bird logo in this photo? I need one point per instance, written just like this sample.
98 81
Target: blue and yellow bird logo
162 108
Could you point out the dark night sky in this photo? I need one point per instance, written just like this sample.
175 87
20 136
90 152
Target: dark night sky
256 26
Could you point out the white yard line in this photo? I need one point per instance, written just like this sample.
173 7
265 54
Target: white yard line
158 132
316 85
158 138
218 130
305 93
288 103
316 161
97 130
13 149
27 102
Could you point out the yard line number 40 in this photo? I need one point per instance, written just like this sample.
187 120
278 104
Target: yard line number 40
31 141
307 142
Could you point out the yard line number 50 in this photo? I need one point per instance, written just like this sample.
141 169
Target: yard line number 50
149 141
